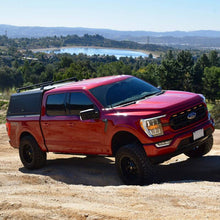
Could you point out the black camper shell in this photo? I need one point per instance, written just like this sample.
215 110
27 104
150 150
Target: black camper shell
25 103
29 102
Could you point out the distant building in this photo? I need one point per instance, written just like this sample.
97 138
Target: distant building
29 58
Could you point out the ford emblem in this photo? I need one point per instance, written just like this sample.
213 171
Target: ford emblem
191 115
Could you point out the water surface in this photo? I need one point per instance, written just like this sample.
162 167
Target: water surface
98 51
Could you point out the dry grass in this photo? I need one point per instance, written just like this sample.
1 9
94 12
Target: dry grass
3 109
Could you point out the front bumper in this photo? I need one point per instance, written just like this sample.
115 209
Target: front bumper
181 143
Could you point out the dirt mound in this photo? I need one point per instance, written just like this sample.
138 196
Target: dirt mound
79 187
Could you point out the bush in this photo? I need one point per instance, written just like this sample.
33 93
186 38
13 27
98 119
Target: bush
3 109
215 112
3 104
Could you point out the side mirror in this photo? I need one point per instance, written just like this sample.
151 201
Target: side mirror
89 114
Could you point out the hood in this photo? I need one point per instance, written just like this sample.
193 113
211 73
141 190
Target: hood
164 103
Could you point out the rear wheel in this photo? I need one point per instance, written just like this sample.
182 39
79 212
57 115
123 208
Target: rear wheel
133 166
30 153
202 149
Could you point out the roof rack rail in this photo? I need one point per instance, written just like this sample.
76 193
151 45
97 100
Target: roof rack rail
48 83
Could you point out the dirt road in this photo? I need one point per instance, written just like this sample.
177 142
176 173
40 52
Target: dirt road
77 187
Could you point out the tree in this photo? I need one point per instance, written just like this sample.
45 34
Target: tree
168 73
65 62
196 76
211 81
37 68
26 71
150 56
47 75
169 55
17 78
114 68
198 73
6 78
204 61
185 64
149 74
213 58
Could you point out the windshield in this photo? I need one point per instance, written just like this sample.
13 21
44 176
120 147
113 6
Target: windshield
123 92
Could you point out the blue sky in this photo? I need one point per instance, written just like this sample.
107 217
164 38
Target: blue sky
148 15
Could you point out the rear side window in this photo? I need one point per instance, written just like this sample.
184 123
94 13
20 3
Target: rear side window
78 102
56 104
26 103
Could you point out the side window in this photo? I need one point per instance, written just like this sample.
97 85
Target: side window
56 104
79 102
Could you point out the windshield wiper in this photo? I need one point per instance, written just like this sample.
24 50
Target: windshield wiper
124 103
130 102
152 94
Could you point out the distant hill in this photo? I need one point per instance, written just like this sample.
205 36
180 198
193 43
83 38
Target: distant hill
75 40
201 38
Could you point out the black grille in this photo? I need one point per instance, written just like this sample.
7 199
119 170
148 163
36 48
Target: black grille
182 119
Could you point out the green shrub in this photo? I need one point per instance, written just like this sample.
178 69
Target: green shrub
215 112
3 109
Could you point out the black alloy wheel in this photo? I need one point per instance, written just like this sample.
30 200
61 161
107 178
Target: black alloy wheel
133 166
30 153
129 168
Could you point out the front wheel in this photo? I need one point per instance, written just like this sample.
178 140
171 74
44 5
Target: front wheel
30 153
202 149
133 166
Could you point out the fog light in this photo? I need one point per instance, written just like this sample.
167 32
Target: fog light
163 143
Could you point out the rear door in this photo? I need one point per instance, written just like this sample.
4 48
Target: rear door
54 123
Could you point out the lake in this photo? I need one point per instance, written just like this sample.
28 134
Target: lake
99 51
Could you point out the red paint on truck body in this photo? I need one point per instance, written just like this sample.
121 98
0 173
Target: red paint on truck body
70 134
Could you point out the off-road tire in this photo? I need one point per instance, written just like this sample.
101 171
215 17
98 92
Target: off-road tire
30 153
202 149
133 166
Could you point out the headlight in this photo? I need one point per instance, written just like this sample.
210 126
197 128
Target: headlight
152 126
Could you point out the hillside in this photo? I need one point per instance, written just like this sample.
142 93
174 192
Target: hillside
198 39
75 40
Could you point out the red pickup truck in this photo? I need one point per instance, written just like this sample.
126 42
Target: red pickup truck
121 116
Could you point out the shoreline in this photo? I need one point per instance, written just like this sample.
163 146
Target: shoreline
155 55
